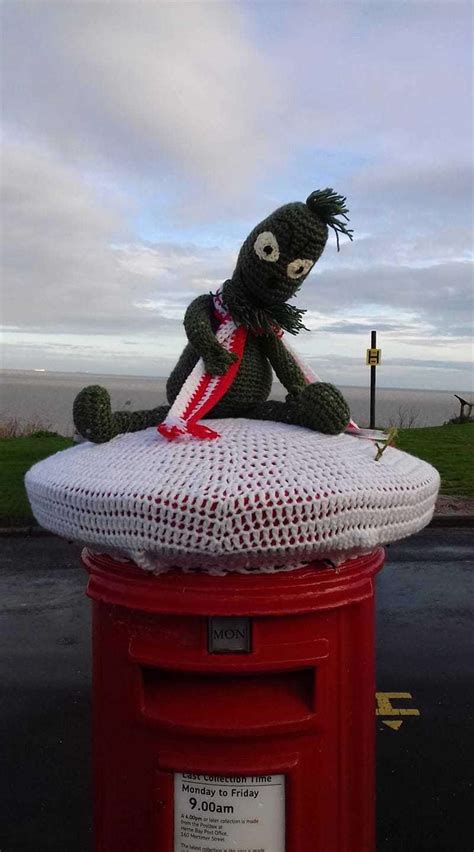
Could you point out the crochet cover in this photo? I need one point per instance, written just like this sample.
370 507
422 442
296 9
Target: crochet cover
263 497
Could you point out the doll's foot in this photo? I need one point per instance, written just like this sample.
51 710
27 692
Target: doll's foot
322 407
95 421
92 414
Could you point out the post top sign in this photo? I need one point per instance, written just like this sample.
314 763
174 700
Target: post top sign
373 357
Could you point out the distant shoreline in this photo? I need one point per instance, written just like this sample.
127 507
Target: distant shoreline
43 372
47 398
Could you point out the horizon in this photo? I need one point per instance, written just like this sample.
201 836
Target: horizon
151 377
142 143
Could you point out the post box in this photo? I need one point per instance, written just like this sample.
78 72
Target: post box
234 713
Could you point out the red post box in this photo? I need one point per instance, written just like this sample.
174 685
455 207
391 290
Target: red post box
234 713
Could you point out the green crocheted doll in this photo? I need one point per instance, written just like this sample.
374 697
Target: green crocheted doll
236 334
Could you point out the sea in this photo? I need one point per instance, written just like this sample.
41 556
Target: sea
45 398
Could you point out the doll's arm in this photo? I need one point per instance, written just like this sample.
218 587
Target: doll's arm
284 365
199 331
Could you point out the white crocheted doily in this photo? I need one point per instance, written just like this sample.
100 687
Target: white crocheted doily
263 496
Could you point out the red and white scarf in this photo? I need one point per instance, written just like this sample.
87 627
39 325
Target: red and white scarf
202 391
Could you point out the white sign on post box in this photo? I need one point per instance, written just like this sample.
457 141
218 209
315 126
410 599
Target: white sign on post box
222 814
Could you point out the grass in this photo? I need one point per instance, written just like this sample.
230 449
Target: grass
449 448
17 455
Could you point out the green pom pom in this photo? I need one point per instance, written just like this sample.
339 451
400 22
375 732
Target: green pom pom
327 205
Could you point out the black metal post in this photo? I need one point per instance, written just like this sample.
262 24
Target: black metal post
373 345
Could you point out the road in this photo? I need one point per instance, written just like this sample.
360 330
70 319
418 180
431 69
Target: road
424 662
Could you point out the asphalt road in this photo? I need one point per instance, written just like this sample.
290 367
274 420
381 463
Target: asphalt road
425 659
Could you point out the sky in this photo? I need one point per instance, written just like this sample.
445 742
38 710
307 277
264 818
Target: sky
143 141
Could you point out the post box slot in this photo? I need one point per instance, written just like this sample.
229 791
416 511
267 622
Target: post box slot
226 703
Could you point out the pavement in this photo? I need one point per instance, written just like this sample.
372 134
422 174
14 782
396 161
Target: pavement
424 666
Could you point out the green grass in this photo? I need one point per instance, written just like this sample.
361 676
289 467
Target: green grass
450 449
17 455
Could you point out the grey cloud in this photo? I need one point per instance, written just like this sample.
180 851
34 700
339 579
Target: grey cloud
196 114
145 88
431 363
61 270
413 212
439 296
147 325
347 327
403 244
422 186
56 258
396 372
64 274
216 96
396 80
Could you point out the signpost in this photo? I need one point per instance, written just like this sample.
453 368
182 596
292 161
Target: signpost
373 359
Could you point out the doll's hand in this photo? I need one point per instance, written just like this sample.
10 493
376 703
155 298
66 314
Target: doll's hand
218 361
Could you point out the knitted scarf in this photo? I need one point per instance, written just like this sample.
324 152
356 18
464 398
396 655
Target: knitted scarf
201 391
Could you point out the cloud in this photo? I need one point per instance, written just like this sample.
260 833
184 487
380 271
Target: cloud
56 255
146 139
438 297
73 268
144 88
389 78
419 185
347 327
426 373
221 98
70 267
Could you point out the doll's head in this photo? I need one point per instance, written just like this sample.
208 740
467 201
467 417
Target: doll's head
280 252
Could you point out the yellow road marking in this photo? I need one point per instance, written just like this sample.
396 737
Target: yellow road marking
386 708
392 724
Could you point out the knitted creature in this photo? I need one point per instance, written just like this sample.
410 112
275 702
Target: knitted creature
272 264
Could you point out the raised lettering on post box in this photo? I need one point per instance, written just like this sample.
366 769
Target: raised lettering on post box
229 635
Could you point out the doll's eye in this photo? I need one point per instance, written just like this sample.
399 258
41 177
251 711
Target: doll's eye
266 247
298 267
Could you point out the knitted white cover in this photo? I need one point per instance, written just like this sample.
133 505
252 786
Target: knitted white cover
264 496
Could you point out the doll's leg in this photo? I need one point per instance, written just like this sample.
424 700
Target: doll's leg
95 420
319 406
